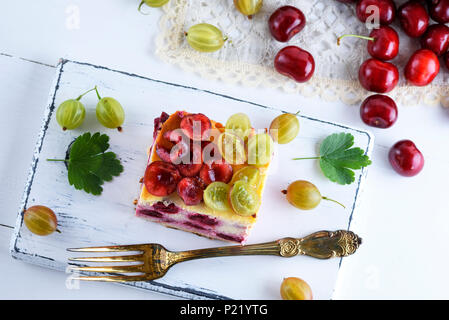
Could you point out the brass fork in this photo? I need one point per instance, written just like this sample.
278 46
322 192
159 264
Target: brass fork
153 260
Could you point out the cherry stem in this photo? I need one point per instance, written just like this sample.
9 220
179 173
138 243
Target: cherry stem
98 95
64 160
57 230
328 199
309 158
79 98
355 36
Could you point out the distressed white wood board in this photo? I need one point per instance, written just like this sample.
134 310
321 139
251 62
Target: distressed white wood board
87 220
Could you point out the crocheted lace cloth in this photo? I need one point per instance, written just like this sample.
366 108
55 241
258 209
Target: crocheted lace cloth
248 58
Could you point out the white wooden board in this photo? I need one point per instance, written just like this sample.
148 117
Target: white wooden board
87 220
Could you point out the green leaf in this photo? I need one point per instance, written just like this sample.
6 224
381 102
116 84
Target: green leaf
88 164
337 158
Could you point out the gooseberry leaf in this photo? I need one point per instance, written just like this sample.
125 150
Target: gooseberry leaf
89 165
338 159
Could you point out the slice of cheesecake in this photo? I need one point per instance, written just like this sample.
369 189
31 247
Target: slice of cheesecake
172 192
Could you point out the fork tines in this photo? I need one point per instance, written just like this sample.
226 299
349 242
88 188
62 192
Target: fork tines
135 268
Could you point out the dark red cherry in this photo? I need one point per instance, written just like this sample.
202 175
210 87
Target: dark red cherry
379 111
383 42
385 45
414 18
378 76
439 10
196 126
210 152
387 10
446 59
190 191
192 162
406 159
285 22
217 171
295 63
422 67
436 39
161 178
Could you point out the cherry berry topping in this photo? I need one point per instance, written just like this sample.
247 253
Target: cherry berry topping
161 178
379 111
422 67
406 159
295 63
190 191
378 76
285 22
196 126
191 163
217 171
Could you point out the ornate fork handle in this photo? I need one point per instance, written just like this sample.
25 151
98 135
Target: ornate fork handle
321 245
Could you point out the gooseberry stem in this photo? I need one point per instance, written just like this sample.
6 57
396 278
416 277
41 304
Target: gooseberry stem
79 98
328 199
355 36
309 158
140 7
98 95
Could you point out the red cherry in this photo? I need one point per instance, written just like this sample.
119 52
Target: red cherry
406 159
446 59
161 178
190 191
173 135
387 10
436 39
217 171
196 126
383 43
378 76
439 10
163 153
379 111
295 63
192 161
285 22
414 18
422 67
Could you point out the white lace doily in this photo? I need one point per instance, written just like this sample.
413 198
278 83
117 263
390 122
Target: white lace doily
248 58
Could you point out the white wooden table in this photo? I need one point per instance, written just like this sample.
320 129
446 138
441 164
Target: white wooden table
404 222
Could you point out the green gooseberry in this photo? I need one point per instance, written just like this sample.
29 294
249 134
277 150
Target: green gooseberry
71 113
110 112
205 37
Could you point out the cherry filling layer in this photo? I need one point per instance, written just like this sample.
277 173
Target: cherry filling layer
208 226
